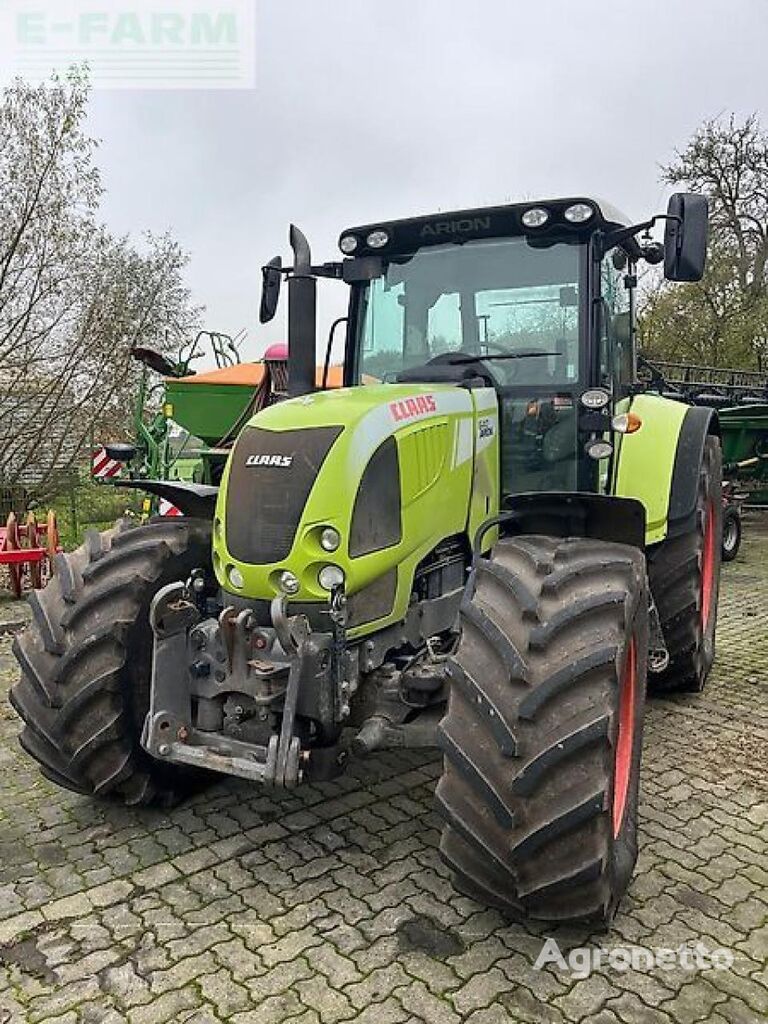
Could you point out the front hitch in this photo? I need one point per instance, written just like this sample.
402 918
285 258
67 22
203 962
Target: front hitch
293 635
226 694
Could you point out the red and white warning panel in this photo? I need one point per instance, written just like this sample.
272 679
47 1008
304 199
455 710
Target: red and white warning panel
167 509
104 468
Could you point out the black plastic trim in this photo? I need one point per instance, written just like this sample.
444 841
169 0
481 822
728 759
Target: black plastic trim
699 423
412 233
271 476
373 602
198 500
377 512
572 514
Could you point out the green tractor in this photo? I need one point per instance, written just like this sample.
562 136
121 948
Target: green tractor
485 541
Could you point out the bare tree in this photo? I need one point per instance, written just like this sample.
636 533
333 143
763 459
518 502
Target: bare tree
724 318
73 299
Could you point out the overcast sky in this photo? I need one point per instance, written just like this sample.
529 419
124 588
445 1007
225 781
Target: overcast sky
369 110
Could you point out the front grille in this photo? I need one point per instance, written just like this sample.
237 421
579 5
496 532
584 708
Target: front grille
266 498
423 451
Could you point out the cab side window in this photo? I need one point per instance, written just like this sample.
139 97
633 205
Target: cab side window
617 356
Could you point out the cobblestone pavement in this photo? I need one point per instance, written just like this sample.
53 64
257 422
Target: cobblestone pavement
332 904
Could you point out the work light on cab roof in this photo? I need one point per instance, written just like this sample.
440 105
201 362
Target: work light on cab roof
536 217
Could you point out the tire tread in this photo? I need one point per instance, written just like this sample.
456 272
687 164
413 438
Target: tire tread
77 696
528 743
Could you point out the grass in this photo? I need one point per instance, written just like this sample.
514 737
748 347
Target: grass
91 506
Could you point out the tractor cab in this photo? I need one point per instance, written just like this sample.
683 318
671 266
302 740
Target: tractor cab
521 298
536 300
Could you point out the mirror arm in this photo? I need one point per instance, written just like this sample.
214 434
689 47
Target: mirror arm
613 238
620 235
332 270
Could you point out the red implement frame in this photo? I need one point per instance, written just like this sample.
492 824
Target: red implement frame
29 548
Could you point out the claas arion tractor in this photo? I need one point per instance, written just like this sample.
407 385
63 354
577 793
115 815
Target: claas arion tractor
485 541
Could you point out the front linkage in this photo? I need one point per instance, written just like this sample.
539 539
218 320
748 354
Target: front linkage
269 703
248 690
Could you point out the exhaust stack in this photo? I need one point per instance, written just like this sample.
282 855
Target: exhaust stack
302 318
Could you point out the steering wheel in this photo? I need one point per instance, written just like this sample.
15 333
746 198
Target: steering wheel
511 365
483 368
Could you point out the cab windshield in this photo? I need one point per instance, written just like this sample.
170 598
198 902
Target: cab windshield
486 298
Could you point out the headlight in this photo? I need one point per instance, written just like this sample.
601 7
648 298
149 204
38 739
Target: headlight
377 239
330 539
578 213
598 449
348 244
288 583
536 217
330 576
595 398
235 577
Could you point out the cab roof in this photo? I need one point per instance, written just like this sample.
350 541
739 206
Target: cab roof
485 222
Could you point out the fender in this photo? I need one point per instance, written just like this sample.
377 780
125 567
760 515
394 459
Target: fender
699 424
570 514
659 465
644 462
197 500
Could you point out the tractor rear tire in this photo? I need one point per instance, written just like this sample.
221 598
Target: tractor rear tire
86 661
684 575
543 731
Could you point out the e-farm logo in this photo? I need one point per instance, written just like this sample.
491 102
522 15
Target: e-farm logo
142 44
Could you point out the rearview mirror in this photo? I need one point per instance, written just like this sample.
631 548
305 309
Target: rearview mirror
272 278
685 237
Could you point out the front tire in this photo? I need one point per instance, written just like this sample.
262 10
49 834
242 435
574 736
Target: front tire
86 661
543 731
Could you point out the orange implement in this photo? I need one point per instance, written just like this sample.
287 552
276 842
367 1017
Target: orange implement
252 374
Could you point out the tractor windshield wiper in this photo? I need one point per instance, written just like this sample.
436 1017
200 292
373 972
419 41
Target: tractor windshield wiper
458 359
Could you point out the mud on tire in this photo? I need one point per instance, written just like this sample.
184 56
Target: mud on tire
543 730
86 660
678 571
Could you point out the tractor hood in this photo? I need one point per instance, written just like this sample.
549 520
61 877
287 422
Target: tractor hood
388 467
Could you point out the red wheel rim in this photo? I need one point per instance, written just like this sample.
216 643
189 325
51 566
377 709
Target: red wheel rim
708 565
625 740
